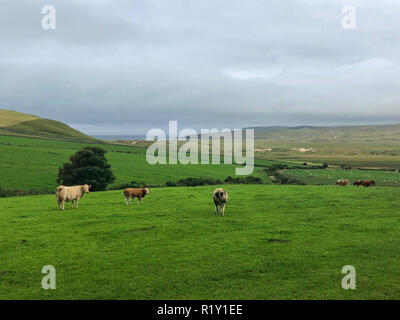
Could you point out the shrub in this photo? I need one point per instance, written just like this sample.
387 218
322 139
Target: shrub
170 184
15 192
246 180
281 179
191 182
132 184
4 193
272 169
88 165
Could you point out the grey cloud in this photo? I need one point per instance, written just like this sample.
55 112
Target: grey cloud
128 66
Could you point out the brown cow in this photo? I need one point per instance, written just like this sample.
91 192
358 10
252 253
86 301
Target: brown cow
364 183
130 193
220 197
342 182
66 194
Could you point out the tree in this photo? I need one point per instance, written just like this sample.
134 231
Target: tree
88 165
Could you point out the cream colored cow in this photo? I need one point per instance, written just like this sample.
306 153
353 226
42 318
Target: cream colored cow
66 194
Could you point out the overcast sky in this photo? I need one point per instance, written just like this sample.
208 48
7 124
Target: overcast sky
124 67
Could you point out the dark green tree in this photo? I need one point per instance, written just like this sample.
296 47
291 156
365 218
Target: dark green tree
89 166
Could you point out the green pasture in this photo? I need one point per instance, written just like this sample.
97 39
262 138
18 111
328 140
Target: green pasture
329 176
357 154
29 163
275 242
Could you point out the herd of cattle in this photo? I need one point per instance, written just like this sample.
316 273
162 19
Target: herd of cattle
363 183
75 193
220 196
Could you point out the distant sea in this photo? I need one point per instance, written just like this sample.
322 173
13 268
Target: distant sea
119 137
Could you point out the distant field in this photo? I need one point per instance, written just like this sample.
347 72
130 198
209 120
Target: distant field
362 154
360 133
275 242
329 176
29 163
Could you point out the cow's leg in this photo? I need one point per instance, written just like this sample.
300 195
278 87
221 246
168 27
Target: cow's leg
216 208
222 209
76 202
128 200
139 200
63 203
72 204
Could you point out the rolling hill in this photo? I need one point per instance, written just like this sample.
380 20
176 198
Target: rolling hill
359 133
21 124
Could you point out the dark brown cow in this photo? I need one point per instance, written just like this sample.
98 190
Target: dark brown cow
364 183
130 193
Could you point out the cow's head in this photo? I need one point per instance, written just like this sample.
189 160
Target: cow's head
146 190
85 188
219 193
356 183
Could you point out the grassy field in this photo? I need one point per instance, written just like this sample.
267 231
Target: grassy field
329 176
29 163
275 242
355 133
357 154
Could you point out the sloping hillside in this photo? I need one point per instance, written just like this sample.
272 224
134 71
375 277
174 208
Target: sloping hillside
16 123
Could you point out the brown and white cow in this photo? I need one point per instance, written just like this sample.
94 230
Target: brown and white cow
66 194
342 182
220 196
365 183
139 193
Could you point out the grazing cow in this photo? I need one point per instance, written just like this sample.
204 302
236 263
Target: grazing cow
365 183
342 182
130 193
66 194
220 197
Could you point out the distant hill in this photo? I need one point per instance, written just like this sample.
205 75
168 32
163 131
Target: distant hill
367 133
22 124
